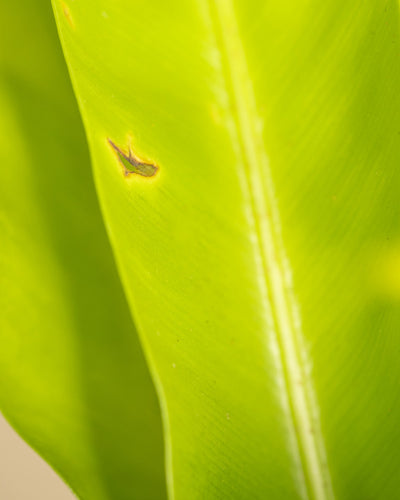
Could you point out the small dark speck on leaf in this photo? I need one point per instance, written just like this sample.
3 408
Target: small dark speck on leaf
132 164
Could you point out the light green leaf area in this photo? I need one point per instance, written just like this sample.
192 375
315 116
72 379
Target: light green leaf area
73 380
262 260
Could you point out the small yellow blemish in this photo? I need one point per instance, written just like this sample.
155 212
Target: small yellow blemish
67 14
216 115
386 272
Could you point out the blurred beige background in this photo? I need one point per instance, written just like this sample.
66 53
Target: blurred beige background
23 474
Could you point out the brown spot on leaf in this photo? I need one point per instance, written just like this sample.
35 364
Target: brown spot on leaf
132 164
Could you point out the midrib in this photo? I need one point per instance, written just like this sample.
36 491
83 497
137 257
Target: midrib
271 254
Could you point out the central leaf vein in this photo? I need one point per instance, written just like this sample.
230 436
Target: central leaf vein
275 283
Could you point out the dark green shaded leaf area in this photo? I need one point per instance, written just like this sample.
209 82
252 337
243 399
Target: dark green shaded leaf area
73 380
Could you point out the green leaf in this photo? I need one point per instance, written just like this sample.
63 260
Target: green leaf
73 380
262 261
